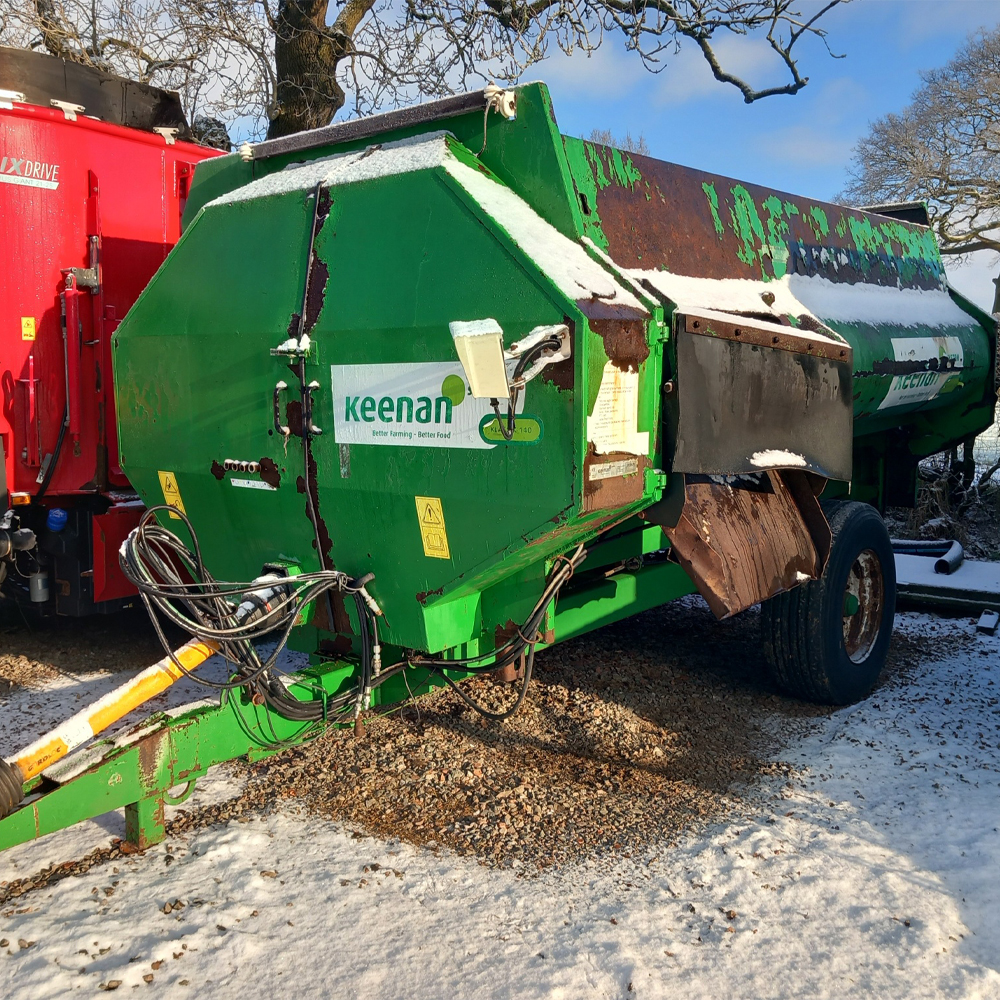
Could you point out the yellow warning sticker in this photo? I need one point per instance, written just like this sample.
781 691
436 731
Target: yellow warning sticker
430 517
171 492
27 328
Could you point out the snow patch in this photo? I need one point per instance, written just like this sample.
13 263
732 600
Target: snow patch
776 459
871 872
565 262
813 296
475 328
404 156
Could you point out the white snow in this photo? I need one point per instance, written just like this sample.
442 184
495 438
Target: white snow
873 872
775 459
475 328
565 262
815 296
403 156
983 577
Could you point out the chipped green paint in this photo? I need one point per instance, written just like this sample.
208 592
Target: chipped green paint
777 231
818 223
713 204
748 228
612 166
624 170
597 163
583 177
911 248
762 225
757 242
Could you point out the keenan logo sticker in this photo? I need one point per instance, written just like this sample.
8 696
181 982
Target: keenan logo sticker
425 405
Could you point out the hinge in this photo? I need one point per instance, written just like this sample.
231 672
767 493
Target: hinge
89 277
86 277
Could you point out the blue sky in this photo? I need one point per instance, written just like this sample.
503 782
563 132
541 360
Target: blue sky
800 143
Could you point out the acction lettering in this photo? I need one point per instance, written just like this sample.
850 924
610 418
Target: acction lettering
399 410
916 380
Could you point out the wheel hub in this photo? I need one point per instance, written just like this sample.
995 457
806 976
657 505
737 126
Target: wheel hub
864 602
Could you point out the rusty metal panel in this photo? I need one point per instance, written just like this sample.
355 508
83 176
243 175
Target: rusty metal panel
661 215
752 396
743 542
613 480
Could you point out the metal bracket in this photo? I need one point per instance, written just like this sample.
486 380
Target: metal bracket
549 356
86 277
169 134
70 111
307 409
283 430
292 348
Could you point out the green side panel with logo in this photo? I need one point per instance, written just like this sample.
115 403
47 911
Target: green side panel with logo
403 444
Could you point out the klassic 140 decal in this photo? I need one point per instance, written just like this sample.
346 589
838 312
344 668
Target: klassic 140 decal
941 359
421 405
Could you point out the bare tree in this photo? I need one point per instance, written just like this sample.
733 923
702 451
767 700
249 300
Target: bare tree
288 65
605 137
943 149
217 53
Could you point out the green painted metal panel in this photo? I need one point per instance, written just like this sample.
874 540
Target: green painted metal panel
620 596
402 256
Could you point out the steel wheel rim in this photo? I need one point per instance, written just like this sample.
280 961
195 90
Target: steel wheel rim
866 586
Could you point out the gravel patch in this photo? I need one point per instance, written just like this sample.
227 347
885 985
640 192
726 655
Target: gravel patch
34 651
640 732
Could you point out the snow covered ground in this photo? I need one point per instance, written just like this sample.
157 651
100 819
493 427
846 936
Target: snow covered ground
874 872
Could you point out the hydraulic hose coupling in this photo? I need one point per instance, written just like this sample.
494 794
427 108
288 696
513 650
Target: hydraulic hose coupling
270 590
17 540
11 788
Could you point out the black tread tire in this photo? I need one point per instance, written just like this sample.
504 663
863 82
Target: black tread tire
802 629
11 789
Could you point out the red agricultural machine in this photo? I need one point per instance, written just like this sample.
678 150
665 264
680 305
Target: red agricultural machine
94 175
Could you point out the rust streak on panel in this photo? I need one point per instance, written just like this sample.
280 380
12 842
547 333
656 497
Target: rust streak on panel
741 546
613 491
768 335
624 341
269 472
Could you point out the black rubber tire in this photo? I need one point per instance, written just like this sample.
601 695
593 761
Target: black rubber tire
11 789
803 629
